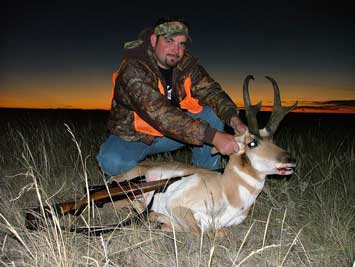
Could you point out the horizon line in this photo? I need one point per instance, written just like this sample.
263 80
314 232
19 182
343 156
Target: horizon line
301 109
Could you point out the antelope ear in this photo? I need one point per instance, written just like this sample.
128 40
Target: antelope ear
238 126
214 151
264 132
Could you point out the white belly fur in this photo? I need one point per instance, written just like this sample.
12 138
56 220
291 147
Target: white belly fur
208 213
175 192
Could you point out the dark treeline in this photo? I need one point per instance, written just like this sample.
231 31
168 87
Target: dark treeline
79 116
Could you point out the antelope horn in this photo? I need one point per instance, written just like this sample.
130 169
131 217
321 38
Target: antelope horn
251 110
278 111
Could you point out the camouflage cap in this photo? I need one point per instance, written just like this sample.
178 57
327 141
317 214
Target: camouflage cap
172 28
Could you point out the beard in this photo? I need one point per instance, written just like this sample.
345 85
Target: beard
172 60
167 61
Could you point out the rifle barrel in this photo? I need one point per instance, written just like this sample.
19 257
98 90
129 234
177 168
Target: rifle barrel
34 216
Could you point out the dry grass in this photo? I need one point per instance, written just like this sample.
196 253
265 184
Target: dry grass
307 220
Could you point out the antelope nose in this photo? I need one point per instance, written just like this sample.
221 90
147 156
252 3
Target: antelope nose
286 158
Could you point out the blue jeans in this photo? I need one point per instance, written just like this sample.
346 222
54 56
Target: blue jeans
117 156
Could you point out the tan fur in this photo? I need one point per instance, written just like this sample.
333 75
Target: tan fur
144 167
185 221
231 182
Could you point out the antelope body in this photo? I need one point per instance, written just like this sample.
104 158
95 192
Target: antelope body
205 199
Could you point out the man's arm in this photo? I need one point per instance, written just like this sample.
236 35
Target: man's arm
210 93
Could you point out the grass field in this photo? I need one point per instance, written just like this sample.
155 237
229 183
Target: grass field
307 219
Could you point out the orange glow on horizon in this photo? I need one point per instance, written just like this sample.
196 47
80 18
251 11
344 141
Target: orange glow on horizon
104 105
97 95
94 106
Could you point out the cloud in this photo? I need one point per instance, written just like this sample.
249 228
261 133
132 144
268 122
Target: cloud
346 106
330 106
348 103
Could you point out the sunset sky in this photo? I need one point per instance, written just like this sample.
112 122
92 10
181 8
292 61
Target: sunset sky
62 55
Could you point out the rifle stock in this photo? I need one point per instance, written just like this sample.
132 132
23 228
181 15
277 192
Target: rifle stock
98 195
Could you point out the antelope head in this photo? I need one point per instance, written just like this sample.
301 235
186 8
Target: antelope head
256 144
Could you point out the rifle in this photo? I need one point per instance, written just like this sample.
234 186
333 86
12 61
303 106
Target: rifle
98 195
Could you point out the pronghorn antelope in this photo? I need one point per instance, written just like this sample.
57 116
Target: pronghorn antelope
205 199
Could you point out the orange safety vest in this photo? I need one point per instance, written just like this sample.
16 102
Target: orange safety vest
189 103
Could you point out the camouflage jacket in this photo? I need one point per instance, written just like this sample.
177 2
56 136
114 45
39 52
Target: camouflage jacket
136 90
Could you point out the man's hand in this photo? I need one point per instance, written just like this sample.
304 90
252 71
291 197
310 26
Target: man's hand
225 143
238 126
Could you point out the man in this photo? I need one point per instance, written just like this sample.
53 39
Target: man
162 100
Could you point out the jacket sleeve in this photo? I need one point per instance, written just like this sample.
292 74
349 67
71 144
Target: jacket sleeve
140 86
210 93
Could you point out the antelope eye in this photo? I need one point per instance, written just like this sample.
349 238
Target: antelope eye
253 143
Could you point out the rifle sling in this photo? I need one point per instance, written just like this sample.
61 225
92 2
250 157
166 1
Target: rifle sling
129 190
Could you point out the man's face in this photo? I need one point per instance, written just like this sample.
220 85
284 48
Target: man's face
168 50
